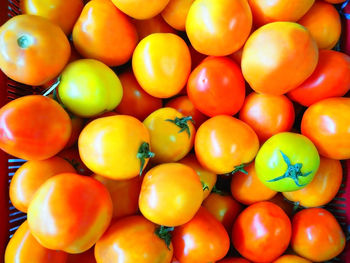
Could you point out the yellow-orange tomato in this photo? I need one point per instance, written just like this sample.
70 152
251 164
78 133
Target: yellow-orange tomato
152 25
24 248
278 57
141 9
85 257
62 13
175 13
31 175
323 188
104 33
323 22
218 27
247 187
291 259
171 194
161 64
33 50
265 11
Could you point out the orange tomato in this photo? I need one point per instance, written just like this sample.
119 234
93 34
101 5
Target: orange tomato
175 13
33 50
247 187
85 257
234 260
284 63
24 248
62 13
152 25
171 194
101 28
291 259
162 64
70 212
141 9
218 27
323 23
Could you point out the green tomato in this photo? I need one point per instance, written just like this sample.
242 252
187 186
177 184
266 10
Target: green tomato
88 88
287 162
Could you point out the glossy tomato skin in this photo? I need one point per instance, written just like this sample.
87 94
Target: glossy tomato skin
217 87
262 232
327 124
27 43
175 13
140 9
152 25
234 260
224 142
317 235
41 134
331 78
24 248
271 162
218 27
291 259
86 257
203 239
85 200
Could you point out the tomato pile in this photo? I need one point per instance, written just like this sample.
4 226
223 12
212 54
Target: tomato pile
192 131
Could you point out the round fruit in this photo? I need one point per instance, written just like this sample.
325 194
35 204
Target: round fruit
175 13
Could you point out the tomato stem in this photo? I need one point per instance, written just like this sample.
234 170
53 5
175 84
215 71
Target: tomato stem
164 233
182 123
24 41
204 186
53 87
143 154
240 168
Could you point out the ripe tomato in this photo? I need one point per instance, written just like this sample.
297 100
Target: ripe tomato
218 27
101 28
284 63
33 50
291 259
171 194
317 235
203 239
262 232
224 143
116 147
85 257
331 78
324 24
62 13
72 156
33 127
133 239
247 188
171 133
77 125
161 64
267 114
216 87
175 13
24 248
152 25
135 101
70 212
234 260
287 162
327 124
265 12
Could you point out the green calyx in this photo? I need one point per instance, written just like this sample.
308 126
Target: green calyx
182 123
24 41
204 186
218 191
164 233
240 168
293 172
143 154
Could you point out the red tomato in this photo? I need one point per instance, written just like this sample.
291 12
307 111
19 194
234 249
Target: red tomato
72 156
152 25
216 87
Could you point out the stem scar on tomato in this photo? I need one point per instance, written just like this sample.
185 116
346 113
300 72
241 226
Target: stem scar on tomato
164 233
144 153
182 123
25 41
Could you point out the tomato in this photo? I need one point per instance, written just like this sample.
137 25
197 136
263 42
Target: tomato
162 64
265 12
218 27
203 239
152 25
291 259
174 260
317 235
172 134
207 178
224 143
101 28
136 102
72 156
141 9
247 188
267 114
116 147
335 1
284 63
85 257
331 78
324 24
282 202
171 194
327 124
237 56
33 50
287 162
262 232
133 239
70 212
217 87
62 13
175 13
24 248
33 127
234 260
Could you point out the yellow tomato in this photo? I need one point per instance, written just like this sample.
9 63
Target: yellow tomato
141 9
175 13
